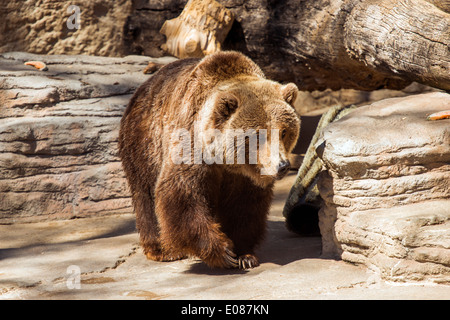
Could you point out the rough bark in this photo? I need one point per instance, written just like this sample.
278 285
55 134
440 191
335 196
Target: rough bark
199 30
409 38
346 43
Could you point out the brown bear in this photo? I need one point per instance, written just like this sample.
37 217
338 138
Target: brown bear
189 205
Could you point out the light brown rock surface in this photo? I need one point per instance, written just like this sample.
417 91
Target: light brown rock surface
386 188
58 135
42 27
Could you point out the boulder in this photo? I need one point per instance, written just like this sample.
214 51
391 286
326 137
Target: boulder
386 188
59 133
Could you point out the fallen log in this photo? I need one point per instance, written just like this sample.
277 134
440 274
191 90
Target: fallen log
335 44
198 31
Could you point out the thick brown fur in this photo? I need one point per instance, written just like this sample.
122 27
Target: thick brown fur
216 212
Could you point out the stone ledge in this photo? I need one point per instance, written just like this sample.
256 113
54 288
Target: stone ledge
386 188
403 243
59 133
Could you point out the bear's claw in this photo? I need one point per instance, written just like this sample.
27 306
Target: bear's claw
231 259
248 261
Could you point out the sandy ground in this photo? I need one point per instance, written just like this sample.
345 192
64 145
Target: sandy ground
100 258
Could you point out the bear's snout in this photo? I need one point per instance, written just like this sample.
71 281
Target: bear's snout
283 169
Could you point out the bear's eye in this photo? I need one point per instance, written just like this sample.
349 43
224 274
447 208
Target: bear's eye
283 133
227 105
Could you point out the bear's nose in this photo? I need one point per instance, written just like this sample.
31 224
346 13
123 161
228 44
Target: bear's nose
283 168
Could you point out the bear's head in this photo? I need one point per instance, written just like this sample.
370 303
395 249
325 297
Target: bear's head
246 123
250 126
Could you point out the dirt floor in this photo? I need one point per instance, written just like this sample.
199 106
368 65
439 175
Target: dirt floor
100 258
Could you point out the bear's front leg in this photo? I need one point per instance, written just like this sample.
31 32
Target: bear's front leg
185 204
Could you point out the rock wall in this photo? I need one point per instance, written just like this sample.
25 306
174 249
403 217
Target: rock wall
40 26
386 188
58 135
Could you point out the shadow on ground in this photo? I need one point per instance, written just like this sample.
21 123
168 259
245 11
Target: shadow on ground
280 247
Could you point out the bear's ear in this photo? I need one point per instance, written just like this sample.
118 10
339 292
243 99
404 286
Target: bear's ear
289 92
226 104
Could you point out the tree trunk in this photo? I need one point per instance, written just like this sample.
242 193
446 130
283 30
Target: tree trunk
319 44
336 44
407 38
199 30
